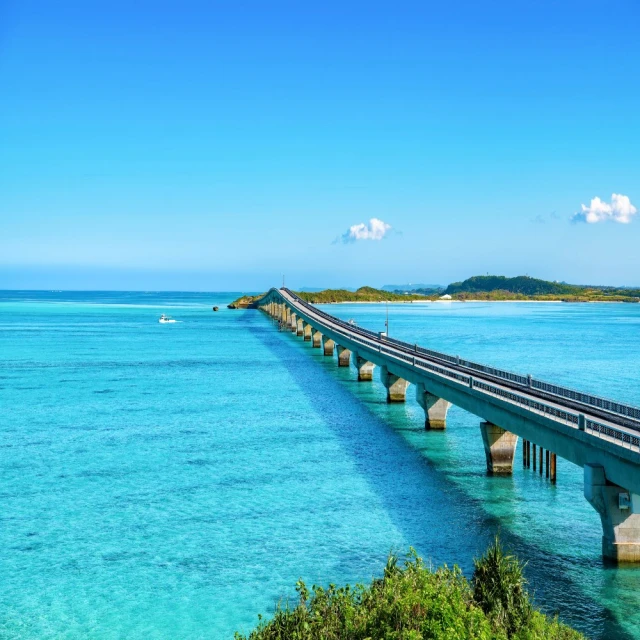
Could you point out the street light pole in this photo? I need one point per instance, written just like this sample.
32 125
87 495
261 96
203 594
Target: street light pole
386 324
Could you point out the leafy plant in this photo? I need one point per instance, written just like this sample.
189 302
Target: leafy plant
414 602
499 589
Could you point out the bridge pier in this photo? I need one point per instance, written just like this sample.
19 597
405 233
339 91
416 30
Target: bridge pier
344 356
328 344
300 327
365 368
619 512
316 339
395 385
499 447
293 322
435 409
307 330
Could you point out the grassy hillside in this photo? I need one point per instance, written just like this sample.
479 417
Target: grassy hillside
520 284
363 294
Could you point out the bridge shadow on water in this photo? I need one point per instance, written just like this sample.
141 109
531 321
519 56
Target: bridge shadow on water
433 513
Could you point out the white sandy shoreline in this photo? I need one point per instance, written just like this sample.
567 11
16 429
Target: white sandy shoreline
465 301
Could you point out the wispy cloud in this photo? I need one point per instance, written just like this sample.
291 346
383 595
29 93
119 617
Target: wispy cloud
543 219
376 229
619 209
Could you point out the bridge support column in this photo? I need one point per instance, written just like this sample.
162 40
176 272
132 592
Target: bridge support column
365 368
316 339
307 331
344 356
499 447
300 327
293 324
327 345
435 408
395 385
283 313
619 512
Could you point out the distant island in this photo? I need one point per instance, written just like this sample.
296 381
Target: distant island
413 287
497 288
527 288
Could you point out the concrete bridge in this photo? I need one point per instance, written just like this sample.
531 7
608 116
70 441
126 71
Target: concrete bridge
600 435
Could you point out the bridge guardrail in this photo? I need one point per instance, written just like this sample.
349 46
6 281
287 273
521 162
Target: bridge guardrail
566 416
597 428
586 398
616 408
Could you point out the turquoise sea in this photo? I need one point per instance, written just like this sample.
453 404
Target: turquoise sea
174 481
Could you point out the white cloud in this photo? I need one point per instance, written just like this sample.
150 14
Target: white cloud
619 210
375 230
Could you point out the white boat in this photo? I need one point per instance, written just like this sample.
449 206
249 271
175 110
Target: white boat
166 319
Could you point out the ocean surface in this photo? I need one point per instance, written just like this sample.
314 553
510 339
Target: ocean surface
174 481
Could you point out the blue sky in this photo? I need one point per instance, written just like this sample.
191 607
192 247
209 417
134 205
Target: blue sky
217 145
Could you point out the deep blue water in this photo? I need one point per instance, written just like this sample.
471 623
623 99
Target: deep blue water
173 481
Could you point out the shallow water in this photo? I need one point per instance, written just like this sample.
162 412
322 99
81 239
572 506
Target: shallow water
173 481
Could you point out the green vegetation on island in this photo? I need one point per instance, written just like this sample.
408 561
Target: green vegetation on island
414 602
363 294
245 302
527 288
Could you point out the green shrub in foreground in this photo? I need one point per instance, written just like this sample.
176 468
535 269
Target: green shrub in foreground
414 602
499 589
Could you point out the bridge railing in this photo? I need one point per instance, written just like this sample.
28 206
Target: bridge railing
617 408
624 437
586 398
535 405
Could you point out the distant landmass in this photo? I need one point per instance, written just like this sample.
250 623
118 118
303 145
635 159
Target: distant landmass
318 289
412 287
475 288
527 288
